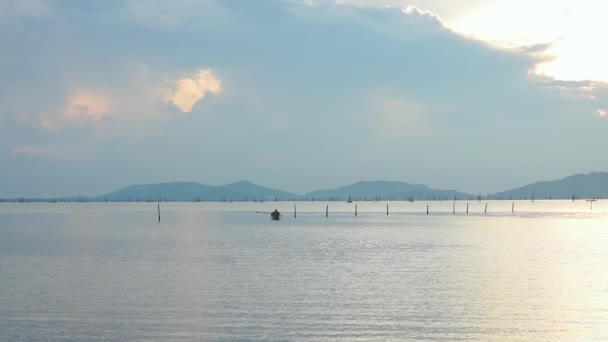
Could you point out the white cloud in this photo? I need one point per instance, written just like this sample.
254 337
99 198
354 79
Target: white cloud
573 28
189 90
446 9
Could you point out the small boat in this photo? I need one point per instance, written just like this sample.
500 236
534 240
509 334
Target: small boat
275 215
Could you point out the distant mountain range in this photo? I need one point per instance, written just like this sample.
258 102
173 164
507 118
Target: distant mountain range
247 191
593 185
189 191
385 190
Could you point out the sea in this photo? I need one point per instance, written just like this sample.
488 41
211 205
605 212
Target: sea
503 271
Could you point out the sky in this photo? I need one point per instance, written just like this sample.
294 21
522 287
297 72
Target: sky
474 95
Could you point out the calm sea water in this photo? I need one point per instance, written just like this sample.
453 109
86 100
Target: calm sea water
220 272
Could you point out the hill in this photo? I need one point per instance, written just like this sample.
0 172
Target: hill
248 191
385 190
191 191
592 185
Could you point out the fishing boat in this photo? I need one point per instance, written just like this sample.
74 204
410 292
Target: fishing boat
275 215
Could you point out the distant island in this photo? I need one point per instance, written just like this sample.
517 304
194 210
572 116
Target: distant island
593 185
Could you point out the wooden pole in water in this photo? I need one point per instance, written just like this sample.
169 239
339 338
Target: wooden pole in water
485 211
591 202
454 208
427 209
158 212
355 210
294 211
513 208
387 209
467 208
327 211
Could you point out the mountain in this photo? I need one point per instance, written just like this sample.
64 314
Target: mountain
592 185
179 191
385 190
250 191
247 191
430 194
361 190
190 191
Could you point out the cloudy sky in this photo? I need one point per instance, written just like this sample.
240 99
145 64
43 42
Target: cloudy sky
473 95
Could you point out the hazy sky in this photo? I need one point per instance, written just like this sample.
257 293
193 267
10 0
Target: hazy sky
474 95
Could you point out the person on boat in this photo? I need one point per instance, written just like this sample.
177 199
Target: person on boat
275 215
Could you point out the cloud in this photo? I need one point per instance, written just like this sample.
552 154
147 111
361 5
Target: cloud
93 104
86 107
415 11
446 9
79 108
582 90
188 91
393 93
